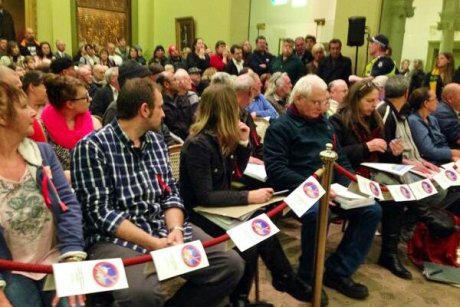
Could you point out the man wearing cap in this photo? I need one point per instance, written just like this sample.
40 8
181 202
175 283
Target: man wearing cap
63 66
381 64
130 69
195 76
175 59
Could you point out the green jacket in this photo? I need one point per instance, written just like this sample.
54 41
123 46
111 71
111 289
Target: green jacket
293 66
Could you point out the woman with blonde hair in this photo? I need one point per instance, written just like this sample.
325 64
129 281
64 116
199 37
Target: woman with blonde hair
35 229
218 144
318 54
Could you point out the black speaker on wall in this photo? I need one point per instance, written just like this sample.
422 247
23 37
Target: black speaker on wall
356 26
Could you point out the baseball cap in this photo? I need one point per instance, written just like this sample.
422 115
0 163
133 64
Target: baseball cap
380 39
131 69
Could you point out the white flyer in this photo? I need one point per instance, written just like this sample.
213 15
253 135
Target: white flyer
252 232
369 187
422 189
447 178
401 192
179 259
305 196
74 278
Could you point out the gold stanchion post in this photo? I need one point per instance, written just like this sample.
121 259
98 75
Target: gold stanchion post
328 157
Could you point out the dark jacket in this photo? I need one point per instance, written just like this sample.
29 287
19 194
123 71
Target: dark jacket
177 62
205 175
178 114
333 69
231 69
257 58
292 149
356 149
448 122
193 60
7 26
292 66
101 100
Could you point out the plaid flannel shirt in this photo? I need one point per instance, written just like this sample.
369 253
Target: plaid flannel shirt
115 181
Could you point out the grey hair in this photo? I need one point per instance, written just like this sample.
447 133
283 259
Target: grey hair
396 86
305 85
223 78
180 74
108 74
276 80
243 83
333 83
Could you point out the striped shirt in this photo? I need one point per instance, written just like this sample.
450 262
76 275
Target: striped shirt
114 181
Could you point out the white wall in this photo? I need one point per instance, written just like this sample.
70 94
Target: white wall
421 28
282 21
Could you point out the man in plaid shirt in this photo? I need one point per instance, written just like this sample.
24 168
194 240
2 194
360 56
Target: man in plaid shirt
131 204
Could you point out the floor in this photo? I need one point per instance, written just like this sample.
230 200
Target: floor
385 288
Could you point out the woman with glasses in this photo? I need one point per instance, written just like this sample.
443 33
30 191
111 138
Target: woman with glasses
427 135
218 145
66 119
360 132
35 229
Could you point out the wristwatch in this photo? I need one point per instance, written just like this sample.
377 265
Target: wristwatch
177 227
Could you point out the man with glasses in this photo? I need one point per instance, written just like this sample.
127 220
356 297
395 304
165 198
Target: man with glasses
291 154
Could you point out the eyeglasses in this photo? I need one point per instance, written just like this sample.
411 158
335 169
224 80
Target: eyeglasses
366 87
318 102
87 97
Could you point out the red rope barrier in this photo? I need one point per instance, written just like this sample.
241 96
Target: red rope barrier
48 269
352 177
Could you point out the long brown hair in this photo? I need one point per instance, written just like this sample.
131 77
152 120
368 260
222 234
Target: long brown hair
349 108
219 113
448 72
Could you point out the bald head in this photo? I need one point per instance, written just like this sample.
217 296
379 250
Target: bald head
10 77
451 95
243 86
338 89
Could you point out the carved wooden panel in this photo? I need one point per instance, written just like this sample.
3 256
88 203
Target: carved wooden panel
103 21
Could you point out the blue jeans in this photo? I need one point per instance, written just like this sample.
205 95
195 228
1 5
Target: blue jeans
353 248
22 291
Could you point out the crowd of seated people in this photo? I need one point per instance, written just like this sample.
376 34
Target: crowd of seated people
107 114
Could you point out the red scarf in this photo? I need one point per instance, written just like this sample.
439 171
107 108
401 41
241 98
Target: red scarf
59 131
